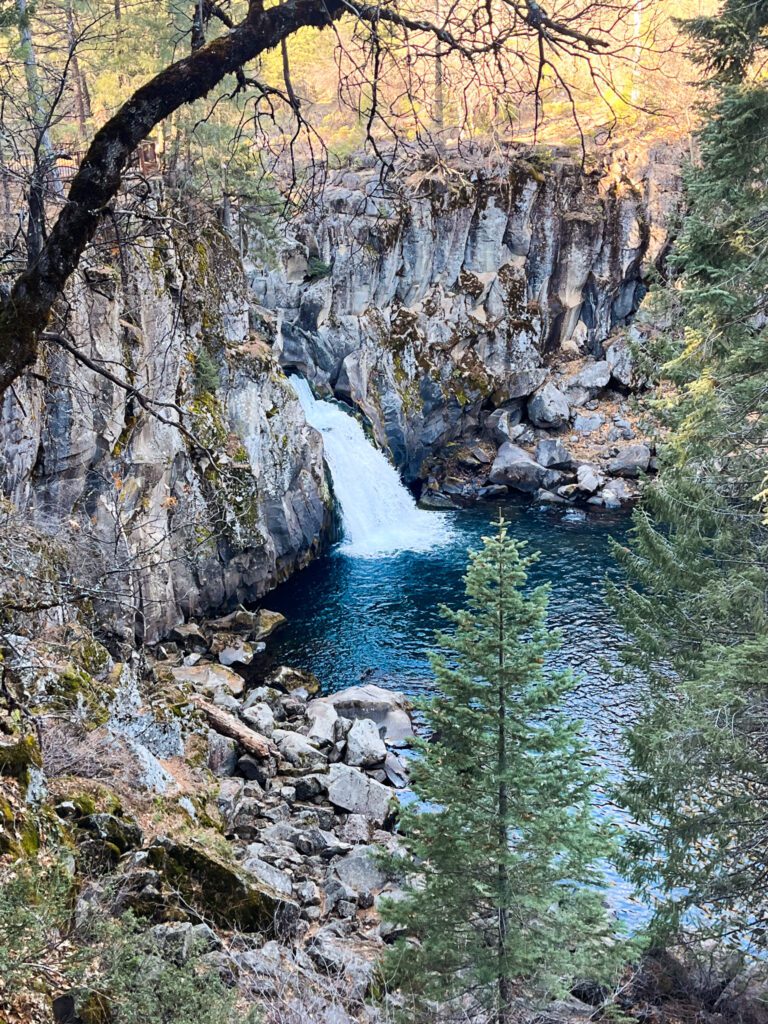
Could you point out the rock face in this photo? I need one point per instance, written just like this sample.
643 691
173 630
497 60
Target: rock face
437 297
203 520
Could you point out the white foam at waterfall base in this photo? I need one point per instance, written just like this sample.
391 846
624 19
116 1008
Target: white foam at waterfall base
379 515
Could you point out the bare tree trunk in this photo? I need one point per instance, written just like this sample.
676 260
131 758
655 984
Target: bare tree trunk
227 725
439 104
82 97
45 164
6 181
25 313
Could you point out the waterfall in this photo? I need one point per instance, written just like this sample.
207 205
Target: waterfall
378 513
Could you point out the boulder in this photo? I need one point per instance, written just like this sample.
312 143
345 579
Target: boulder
364 744
356 829
545 497
548 407
106 836
181 941
360 870
323 718
588 423
351 790
435 501
266 623
589 478
335 954
616 493
279 881
504 425
387 708
222 754
190 637
297 750
289 679
619 358
395 771
208 678
632 460
238 652
593 377
524 382
516 468
222 892
552 453
240 620
259 716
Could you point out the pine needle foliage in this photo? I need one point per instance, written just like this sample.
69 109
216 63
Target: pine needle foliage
695 605
502 889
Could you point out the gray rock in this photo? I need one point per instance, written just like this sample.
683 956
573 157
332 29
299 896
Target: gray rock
588 424
323 719
552 453
297 750
616 493
209 679
356 829
589 478
222 754
504 425
190 637
241 653
229 793
360 870
593 377
632 460
279 881
364 744
387 708
619 357
351 790
289 679
548 407
253 770
334 953
181 941
437 501
310 786
259 716
395 771
319 842
225 700
550 498
514 467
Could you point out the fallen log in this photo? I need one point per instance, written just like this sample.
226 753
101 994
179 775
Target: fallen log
227 725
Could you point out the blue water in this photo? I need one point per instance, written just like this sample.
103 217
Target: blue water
354 620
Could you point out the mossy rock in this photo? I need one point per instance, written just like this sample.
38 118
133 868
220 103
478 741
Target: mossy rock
75 686
17 755
217 890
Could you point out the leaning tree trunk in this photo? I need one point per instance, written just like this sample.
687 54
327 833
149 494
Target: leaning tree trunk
25 313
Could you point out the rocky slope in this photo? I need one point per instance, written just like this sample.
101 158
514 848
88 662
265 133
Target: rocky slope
457 291
171 523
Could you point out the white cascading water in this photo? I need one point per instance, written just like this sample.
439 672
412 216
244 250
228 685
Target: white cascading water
379 515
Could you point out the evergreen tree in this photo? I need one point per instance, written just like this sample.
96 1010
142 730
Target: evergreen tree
500 870
695 605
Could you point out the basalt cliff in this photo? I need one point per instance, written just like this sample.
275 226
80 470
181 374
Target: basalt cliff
478 317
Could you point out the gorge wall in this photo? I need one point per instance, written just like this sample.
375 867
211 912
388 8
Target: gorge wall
457 290
442 306
170 524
